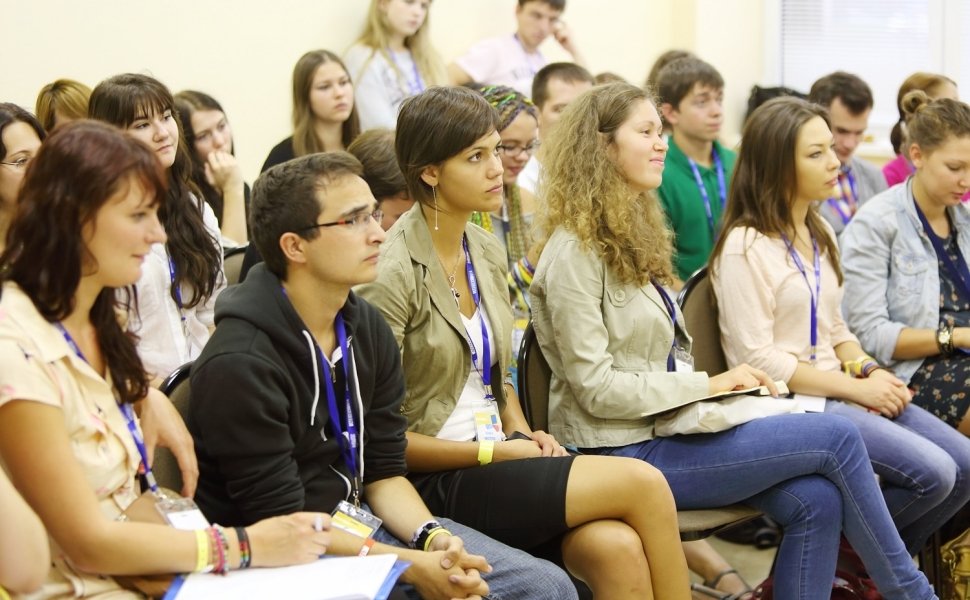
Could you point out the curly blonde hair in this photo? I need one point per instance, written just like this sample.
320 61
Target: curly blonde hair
584 192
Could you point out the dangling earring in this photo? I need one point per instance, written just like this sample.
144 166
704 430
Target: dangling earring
434 192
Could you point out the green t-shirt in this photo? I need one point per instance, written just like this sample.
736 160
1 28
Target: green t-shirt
682 202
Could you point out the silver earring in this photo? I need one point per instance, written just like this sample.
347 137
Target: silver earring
434 192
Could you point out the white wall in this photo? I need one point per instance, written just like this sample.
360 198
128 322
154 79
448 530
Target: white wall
242 52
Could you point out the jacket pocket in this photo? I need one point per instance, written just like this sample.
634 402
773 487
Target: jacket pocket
909 272
619 295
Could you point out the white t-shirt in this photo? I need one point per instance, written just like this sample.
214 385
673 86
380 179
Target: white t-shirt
378 88
460 426
502 61
528 179
163 345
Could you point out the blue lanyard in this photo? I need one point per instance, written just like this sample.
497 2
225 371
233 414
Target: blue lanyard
486 371
850 201
529 61
415 84
347 439
721 188
178 296
959 272
818 287
126 410
672 311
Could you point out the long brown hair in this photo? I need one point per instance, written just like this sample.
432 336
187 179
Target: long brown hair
196 254
304 138
78 168
764 181
585 193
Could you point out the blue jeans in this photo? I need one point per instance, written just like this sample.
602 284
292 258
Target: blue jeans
923 464
515 574
811 473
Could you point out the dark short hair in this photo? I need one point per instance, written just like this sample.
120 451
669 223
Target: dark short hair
285 201
563 71
435 125
559 5
11 113
849 88
679 76
375 150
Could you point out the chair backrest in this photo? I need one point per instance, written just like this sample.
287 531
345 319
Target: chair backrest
232 261
699 306
534 376
176 387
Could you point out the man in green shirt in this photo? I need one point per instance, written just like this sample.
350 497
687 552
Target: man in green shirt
698 168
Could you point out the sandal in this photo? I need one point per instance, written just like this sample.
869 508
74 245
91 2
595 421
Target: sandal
709 587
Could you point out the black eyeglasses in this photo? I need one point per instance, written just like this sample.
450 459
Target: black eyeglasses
357 222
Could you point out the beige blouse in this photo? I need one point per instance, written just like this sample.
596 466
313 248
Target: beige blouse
764 306
39 366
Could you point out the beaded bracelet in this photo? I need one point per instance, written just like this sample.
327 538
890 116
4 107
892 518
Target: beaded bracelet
221 544
245 553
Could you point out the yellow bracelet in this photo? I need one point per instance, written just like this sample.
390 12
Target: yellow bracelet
485 451
202 550
433 534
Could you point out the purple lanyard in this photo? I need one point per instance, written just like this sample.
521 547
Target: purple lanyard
486 371
126 410
851 202
672 311
178 296
721 188
529 62
347 439
415 85
959 271
818 287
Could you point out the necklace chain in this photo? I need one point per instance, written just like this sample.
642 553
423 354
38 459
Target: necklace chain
452 278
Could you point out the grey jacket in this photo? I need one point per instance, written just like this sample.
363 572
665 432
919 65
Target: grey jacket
869 181
892 279
607 344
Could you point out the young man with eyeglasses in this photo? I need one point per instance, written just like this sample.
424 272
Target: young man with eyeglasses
513 60
296 399
698 167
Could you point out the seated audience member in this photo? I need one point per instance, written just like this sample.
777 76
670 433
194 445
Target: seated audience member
554 87
848 100
393 59
619 354
375 151
309 375
698 168
175 297
935 86
906 280
68 436
513 60
607 77
215 171
662 61
20 138
778 284
324 113
449 311
759 95
61 102
23 543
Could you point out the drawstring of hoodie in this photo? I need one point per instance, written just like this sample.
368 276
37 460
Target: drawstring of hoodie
316 377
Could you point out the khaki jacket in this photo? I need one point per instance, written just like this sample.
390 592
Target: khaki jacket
412 293
607 344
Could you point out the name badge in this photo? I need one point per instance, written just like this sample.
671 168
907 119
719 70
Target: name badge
355 520
181 513
683 361
488 427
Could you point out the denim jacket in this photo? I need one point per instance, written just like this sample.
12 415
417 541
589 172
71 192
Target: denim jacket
892 279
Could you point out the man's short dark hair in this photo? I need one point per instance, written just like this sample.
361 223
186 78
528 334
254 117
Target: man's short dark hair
563 71
559 5
285 200
678 78
850 89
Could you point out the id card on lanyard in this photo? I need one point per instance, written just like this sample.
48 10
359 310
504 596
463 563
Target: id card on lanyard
488 425
817 263
179 512
721 188
679 360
